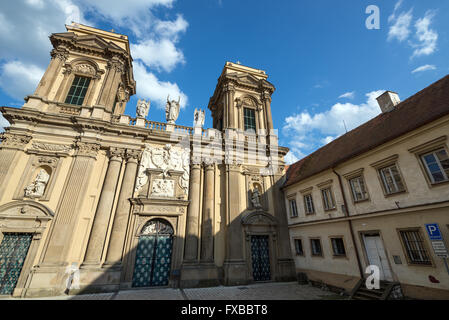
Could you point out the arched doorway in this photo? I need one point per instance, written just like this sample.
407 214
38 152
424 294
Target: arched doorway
153 255
22 224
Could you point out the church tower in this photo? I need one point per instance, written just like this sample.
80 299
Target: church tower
242 100
90 74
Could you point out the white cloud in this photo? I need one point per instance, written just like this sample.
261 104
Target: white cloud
347 95
158 54
400 29
18 78
3 123
310 131
426 67
427 37
148 85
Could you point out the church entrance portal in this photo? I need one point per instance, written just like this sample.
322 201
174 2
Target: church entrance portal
153 255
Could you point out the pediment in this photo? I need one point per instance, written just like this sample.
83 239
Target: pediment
25 209
259 218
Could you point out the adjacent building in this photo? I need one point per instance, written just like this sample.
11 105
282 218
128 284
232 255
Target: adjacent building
374 196
93 200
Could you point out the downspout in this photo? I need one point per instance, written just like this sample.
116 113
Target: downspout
346 212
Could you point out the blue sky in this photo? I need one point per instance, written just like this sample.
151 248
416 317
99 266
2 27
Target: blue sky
326 65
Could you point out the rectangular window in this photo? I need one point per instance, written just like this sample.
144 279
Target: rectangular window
308 204
437 165
358 188
298 247
249 117
293 209
315 245
328 199
78 90
392 180
414 246
338 246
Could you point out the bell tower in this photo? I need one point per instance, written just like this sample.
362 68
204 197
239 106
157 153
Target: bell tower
242 100
90 74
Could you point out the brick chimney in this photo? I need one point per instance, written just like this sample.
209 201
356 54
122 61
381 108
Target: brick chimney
388 100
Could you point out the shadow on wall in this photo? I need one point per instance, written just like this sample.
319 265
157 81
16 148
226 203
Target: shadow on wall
157 258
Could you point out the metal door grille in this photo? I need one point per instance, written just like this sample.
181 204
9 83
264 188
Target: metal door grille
13 251
260 258
153 255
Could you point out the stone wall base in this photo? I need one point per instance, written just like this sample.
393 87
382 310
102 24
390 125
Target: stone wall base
199 275
235 273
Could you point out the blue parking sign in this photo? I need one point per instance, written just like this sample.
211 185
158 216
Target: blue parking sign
434 232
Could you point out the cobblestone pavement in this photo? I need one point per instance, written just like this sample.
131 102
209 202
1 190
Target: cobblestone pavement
261 291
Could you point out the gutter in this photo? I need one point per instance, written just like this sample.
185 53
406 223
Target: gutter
346 212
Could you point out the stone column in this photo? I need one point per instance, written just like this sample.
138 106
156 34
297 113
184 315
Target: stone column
230 92
58 58
100 226
110 86
207 235
193 215
118 234
269 118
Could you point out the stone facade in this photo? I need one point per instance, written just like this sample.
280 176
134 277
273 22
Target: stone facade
86 180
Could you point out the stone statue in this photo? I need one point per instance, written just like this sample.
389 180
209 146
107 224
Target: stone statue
37 188
172 110
255 198
199 118
143 107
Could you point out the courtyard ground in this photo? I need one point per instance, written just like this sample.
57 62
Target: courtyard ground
261 291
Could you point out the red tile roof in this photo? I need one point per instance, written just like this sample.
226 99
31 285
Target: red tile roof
424 107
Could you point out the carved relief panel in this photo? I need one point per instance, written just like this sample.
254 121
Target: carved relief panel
164 172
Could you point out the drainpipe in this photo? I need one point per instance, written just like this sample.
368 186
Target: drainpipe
350 225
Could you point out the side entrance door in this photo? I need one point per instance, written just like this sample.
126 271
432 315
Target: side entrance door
376 256
13 252
260 254
153 255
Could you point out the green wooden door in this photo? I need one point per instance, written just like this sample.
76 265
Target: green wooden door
153 255
260 254
13 252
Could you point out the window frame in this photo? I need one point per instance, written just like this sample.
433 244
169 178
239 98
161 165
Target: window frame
334 254
245 117
290 202
332 198
388 163
429 173
366 193
321 255
425 247
307 212
299 240
86 93
384 179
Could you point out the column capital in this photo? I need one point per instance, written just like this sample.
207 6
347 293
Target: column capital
59 53
87 149
132 155
229 87
116 154
266 96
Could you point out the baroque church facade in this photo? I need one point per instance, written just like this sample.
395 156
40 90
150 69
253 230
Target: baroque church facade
92 200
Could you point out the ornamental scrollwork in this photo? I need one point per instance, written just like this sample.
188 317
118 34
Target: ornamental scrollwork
14 140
